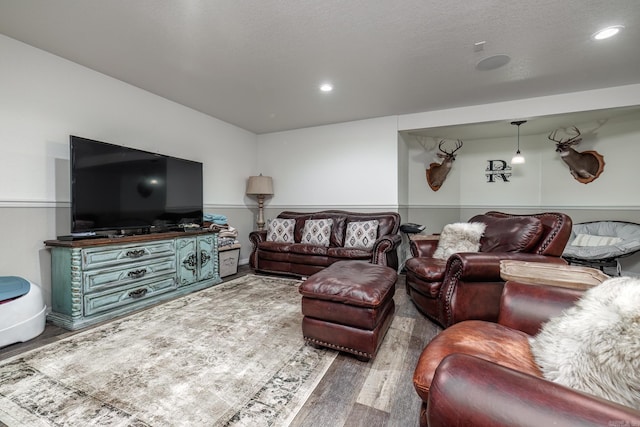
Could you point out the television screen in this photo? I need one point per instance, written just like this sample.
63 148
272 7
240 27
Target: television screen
116 188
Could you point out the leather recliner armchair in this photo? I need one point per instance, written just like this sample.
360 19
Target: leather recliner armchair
483 374
468 285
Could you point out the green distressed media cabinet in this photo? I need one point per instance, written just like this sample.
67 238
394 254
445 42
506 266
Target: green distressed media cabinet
94 280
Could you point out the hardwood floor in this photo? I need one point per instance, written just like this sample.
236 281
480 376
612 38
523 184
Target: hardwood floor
377 393
352 393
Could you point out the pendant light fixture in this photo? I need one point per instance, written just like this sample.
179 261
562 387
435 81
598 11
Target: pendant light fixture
518 159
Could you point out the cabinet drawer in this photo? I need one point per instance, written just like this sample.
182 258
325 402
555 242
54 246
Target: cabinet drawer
103 278
109 300
114 255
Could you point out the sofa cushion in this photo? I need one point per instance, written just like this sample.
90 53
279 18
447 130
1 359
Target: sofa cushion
594 345
354 283
304 249
513 234
361 234
459 237
281 230
591 240
293 248
317 232
349 253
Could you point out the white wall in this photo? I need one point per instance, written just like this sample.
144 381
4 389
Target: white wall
422 153
347 165
618 141
523 187
544 180
536 184
44 99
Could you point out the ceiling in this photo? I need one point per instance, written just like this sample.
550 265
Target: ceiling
258 64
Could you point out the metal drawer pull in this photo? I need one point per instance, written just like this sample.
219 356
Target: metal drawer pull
204 258
138 293
136 274
137 253
190 262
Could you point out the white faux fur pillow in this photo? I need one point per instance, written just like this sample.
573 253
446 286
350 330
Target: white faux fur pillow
594 346
459 237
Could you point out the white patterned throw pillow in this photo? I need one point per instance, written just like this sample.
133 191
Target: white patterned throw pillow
281 230
317 232
361 234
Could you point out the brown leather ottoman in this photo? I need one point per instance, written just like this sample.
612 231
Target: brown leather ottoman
349 306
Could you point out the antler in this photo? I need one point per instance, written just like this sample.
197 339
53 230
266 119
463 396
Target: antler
449 153
569 140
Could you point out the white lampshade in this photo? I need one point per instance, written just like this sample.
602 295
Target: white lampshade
518 159
260 185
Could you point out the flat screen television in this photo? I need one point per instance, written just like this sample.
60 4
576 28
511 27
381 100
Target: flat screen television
120 188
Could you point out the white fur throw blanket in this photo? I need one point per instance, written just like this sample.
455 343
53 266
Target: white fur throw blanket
594 346
459 237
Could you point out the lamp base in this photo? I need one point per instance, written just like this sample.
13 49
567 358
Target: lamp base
260 221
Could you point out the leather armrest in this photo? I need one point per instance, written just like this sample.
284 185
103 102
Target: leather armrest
255 237
258 236
391 240
467 390
526 307
485 266
423 248
384 245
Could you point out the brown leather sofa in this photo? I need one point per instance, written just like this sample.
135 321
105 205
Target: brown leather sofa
468 285
300 259
479 373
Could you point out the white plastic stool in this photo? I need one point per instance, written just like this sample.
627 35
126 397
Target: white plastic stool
22 310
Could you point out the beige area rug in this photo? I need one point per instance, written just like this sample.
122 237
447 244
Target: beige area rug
230 355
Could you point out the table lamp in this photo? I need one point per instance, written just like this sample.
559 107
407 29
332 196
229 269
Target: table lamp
260 186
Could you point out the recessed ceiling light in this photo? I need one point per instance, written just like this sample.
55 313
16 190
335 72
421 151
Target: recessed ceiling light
605 33
326 87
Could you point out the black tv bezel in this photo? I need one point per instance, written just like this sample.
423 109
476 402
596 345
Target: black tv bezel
128 229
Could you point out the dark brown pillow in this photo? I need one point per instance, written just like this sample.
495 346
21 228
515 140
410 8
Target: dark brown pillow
515 234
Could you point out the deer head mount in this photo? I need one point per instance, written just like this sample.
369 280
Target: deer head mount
584 166
437 172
